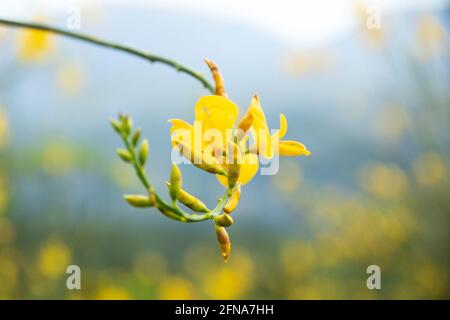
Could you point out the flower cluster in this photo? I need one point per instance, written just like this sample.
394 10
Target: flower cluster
216 143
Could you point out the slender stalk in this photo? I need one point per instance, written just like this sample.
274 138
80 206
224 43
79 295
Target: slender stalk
115 46
181 214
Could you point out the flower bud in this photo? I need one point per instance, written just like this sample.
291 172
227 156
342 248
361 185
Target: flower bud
234 200
190 201
217 76
224 242
124 155
143 152
223 220
169 213
135 138
140 201
116 125
127 124
175 182
234 168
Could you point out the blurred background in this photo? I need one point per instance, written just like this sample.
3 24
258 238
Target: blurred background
372 104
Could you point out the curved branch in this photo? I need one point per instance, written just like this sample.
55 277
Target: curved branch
115 46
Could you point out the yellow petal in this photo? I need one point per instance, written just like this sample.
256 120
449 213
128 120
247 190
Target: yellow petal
257 112
179 124
216 112
283 126
249 168
181 131
293 148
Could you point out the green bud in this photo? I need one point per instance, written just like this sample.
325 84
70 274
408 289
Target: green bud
116 125
127 124
234 199
223 220
136 136
143 152
234 167
124 155
140 201
175 182
170 213
190 201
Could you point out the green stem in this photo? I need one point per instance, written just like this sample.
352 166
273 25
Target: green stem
115 46
181 214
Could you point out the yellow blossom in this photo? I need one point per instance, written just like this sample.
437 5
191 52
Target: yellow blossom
215 127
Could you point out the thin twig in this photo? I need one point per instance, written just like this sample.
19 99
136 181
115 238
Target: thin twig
115 46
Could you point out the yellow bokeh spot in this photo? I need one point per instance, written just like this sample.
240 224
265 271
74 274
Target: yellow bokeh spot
70 78
7 232
58 158
385 181
297 258
111 292
308 62
289 177
429 169
8 276
2 33
150 267
4 192
176 288
54 258
230 281
391 123
34 45
430 37
4 128
433 280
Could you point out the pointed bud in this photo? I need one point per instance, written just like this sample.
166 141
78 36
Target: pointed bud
234 200
217 76
170 213
116 125
143 152
175 182
124 155
234 166
140 201
223 220
190 201
135 138
224 242
127 124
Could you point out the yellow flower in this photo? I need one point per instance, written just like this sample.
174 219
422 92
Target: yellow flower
215 128
265 142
